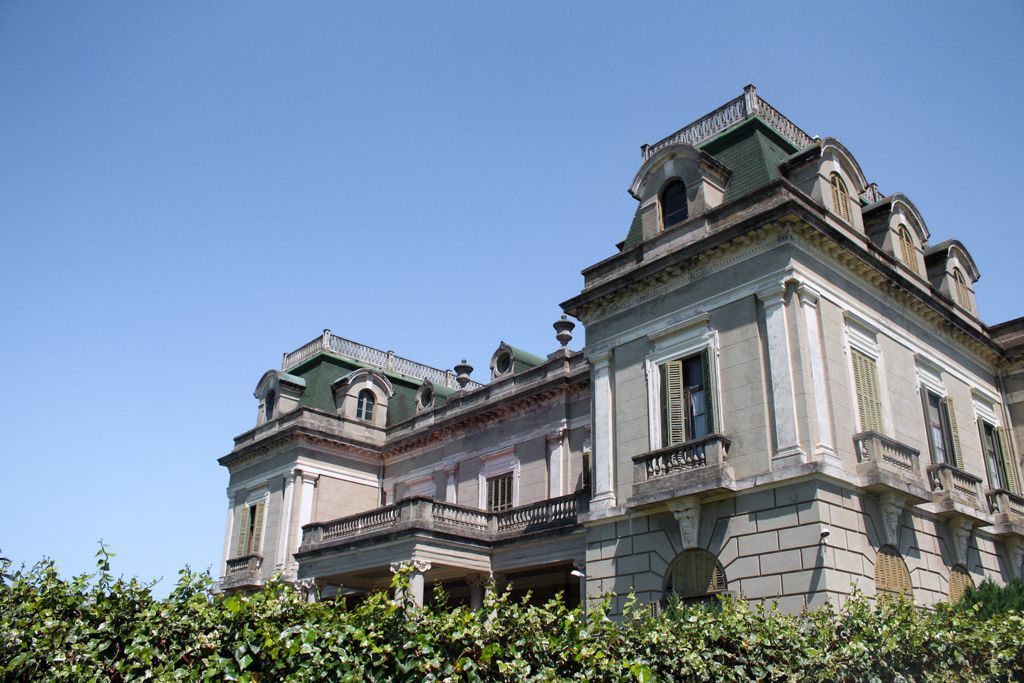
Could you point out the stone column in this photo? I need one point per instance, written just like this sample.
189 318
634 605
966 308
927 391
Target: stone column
603 434
476 591
783 402
417 581
824 444
284 558
227 536
555 443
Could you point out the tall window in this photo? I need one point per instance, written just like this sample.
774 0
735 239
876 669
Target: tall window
869 402
995 462
962 296
250 529
840 198
499 492
364 405
686 399
673 204
943 437
268 406
907 251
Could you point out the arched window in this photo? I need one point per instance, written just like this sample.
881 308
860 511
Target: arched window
962 297
892 578
268 406
840 198
673 204
694 574
907 252
959 581
364 406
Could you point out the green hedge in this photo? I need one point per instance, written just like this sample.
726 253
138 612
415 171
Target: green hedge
100 628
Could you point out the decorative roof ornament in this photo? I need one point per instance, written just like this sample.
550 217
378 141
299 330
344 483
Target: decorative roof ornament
563 330
462 372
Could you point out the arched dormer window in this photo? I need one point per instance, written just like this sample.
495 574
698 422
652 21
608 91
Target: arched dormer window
364 406
673 204
268 405
907 252
962 296
841 198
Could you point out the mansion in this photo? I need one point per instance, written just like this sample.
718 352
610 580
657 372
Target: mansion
784 392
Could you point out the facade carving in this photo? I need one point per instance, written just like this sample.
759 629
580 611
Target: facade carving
776 359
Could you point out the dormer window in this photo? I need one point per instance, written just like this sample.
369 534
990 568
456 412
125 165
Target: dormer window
907 252
962 297
673 204
504 363
364 406
841 198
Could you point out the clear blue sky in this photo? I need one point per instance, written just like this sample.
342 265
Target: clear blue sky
189 189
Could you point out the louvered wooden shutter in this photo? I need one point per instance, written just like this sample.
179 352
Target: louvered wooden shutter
954 432
243 532
865 377
257 527
891 574
490 494
709 391
694 573
674 409
959 582
1009 461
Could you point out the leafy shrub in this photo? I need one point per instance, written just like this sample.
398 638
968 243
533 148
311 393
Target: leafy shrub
992 599
97 627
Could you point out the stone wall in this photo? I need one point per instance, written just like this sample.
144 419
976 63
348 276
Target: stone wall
770 545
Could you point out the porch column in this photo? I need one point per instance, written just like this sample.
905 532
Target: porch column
783 402
603 434
284 558
476 592
555 443
416 581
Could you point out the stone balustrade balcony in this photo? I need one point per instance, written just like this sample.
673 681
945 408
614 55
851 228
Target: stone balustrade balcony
1008 512
695 467
957 492
242 572
428 515
886 465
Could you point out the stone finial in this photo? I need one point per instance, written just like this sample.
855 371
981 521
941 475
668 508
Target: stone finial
687 514
892 512
462 372
960 530
563 330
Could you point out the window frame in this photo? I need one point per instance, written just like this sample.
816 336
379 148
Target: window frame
361 404
251 526
989 433
862 337
685 209
961 291
492 492
945 430
685 340
498 464
908 250
839 192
